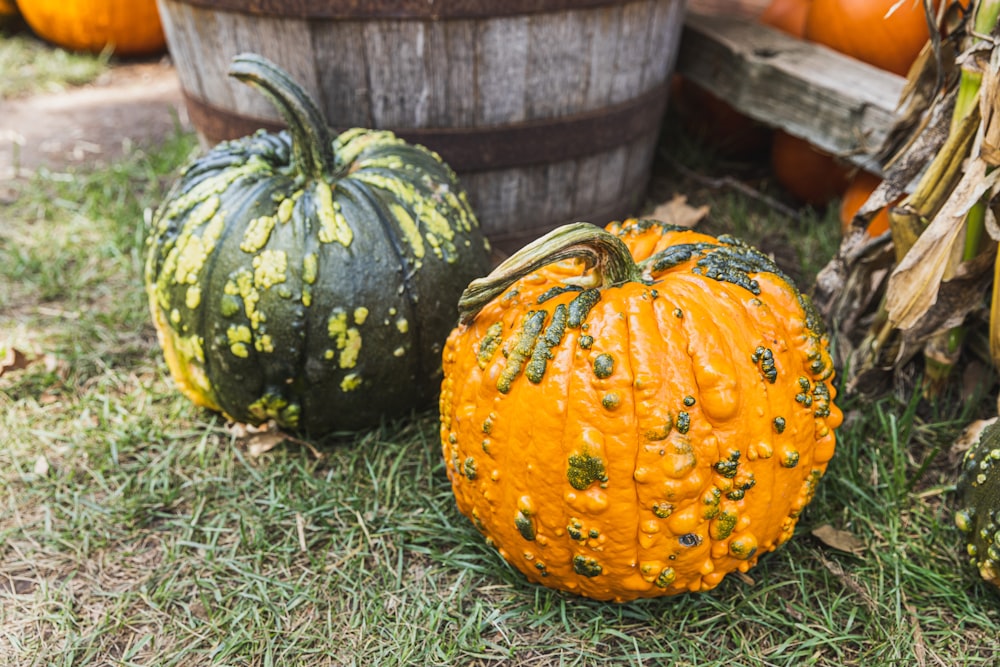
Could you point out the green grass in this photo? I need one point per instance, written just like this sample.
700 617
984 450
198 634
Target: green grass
136 529
29 65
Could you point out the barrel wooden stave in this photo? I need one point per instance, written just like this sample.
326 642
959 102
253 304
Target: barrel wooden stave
472 75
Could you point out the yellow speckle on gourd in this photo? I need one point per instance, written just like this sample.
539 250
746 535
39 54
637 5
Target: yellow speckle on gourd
399 351
175 316
351 382
408 226
192 298
402 325
310 268
285 209
264 343
360 315
347 339
203 212
336 325
210 188
333 224
269 268
239 333
257 232
351 348
241 283
239 336
187 258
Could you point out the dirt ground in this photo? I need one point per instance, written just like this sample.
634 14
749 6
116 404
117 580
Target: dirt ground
133 104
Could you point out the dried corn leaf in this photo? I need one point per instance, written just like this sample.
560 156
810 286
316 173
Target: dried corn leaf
916 281
849 288
989 109
956 298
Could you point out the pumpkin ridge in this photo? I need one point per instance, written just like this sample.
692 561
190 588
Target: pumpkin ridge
206 271
257 192
362 191
637 556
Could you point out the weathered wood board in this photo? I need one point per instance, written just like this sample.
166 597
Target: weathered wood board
839 104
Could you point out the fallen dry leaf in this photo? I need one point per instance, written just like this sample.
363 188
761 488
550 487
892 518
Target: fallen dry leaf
970 435
260 443
678 212
259 440
12 359
841 540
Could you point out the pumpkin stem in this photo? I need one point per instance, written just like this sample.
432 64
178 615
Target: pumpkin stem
312 143
606 253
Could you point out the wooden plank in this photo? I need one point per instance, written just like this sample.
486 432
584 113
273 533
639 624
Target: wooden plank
839 104
399 86
501 62
342 71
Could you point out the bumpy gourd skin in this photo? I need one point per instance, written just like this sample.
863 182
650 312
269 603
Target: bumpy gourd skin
643 439
979 515
309 279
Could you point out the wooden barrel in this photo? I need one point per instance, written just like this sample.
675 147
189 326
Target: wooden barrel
549 110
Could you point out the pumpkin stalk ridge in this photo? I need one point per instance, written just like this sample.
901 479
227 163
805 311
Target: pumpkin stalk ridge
609 257
312 143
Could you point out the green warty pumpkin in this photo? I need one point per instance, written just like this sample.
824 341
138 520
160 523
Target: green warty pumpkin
307 278
979 514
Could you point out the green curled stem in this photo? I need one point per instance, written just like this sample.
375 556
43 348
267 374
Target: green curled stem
607 254
312 145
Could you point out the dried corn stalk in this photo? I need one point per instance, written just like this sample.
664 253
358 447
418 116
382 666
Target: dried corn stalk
918 289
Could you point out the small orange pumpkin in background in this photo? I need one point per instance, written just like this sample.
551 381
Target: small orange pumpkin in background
858 191
888 34
130 27
787 15
8 12
809 174
639 423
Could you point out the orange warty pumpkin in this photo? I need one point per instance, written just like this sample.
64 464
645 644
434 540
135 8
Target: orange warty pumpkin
636 412
131 27
862 30
861 187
